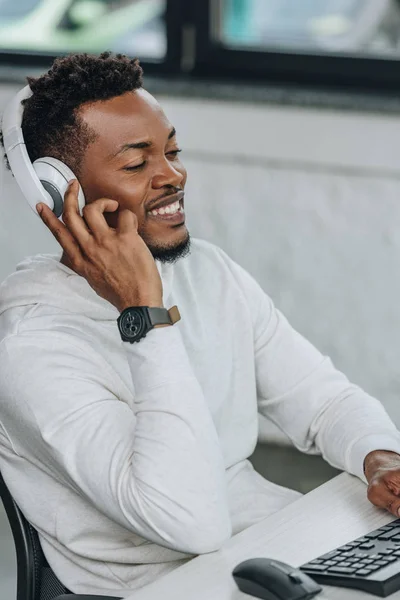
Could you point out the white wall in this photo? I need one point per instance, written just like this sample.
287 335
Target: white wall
307 201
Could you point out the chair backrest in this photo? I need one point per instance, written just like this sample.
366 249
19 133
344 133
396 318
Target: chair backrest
35 578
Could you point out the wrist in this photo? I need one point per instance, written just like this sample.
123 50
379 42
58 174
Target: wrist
135 322
129 302
376 459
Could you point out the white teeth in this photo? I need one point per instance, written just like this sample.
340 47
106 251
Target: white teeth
171 209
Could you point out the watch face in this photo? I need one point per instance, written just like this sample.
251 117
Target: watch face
132 324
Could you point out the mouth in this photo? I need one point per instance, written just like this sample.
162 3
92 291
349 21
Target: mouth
170 210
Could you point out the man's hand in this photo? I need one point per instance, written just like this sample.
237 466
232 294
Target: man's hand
382 470
115 262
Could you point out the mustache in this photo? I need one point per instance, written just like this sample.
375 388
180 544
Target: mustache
170 192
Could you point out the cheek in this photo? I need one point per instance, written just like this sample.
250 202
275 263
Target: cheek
129 192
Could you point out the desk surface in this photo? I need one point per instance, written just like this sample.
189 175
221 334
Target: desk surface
327 517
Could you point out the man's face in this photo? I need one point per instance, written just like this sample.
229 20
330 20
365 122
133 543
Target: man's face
134 160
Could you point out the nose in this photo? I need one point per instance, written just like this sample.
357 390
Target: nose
167 175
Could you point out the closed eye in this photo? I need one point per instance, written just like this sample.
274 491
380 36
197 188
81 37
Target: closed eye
136 167
174 152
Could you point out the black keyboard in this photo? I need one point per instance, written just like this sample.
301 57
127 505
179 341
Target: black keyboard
370 563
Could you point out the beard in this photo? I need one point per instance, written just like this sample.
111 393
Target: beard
170 254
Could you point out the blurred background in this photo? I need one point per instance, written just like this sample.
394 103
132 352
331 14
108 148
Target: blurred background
289 116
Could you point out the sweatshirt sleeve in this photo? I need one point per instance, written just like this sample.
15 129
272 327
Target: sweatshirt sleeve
155 467
313 403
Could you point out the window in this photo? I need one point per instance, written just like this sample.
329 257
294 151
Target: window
328 43
134 27
369 27
352 43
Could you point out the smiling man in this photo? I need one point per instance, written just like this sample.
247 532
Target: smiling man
129 426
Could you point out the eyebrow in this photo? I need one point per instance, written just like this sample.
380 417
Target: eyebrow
141 145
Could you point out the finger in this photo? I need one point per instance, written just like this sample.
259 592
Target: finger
381 496
71 217
61 233
93 215
127 221
392 481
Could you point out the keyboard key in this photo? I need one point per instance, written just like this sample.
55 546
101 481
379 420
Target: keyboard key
366 546
316 561
348 554
315 568
345 564
391 559
374 535
332 554
374 567
388 535
342 570
396 538
363 572
329 563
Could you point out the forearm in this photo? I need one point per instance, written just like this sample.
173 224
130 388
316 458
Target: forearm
152 465
178 462
353 425
315 404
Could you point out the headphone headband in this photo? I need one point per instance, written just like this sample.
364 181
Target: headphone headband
12 119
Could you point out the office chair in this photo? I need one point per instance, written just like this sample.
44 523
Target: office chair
35 578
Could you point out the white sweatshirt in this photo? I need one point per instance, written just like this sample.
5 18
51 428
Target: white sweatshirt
130 459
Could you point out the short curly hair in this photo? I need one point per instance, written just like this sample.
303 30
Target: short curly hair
51 123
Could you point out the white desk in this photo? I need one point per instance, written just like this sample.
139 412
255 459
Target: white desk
327 517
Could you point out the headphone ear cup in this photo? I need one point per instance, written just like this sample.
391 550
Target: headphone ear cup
54 176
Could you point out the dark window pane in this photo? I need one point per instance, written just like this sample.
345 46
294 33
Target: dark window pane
134 27
366 27
10 9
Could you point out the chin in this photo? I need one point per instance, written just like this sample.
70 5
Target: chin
170 253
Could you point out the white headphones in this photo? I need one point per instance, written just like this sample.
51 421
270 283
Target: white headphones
47 178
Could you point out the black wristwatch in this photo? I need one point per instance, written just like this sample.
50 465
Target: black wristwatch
136 321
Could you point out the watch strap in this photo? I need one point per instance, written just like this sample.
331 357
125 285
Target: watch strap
161 317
